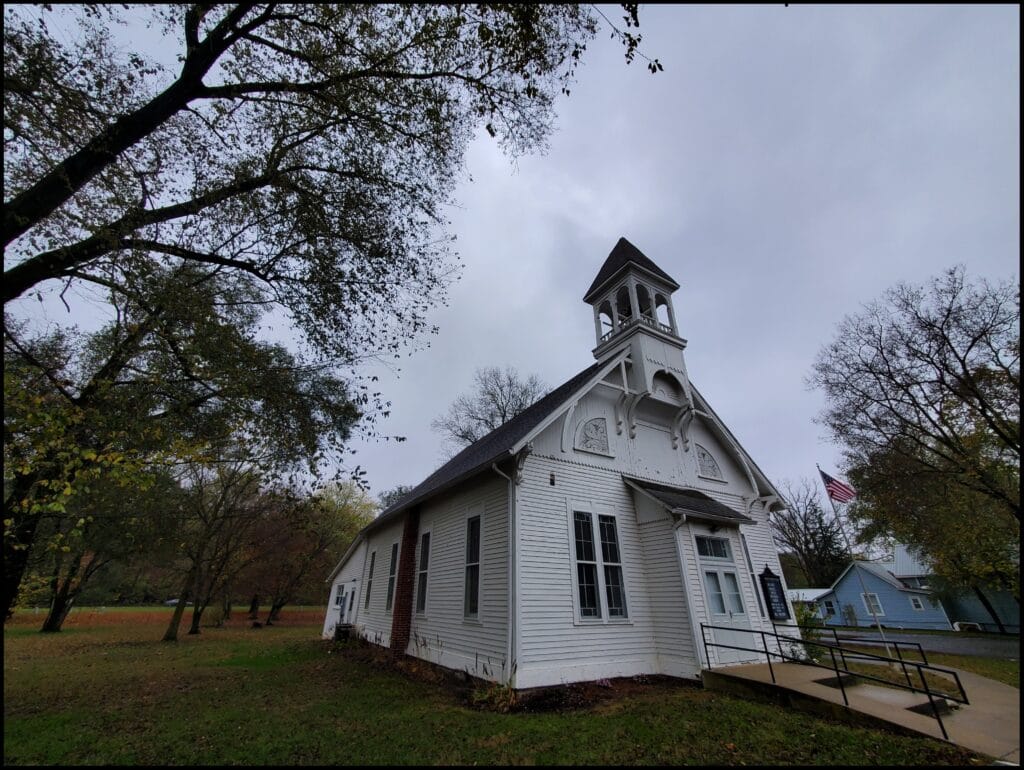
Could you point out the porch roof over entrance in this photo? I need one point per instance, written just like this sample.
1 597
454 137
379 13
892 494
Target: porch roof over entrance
689 502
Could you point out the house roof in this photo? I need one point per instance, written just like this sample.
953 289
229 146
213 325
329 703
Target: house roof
806 594
493 447
690 502
623 254
880 572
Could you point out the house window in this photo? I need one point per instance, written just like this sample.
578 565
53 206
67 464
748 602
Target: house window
421 578
339 597
713 547
471 605
586 566
871 604
916 603
589 570
369 580
392 572
614 585
829 607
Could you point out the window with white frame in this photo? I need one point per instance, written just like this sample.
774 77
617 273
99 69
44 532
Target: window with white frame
872 604
830 607
471 604
392 574
369 580
421 577
600 580
614 583
713 547
339 597
916 603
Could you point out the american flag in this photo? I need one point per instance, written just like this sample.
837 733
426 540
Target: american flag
836 489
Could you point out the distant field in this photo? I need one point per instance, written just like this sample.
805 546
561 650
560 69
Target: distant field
88 617
106 691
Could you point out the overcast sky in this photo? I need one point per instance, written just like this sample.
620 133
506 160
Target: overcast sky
790 164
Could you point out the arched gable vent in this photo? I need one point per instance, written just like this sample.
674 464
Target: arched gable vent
666 387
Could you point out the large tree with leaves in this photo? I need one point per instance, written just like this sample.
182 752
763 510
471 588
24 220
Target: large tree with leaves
178 371
291 169
923 393
930 376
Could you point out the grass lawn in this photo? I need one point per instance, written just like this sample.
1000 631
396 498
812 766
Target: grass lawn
107 691
1000 669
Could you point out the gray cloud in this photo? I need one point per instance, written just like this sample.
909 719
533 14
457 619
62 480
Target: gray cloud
789 165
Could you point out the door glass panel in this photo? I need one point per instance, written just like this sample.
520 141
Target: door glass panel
732 592
714 593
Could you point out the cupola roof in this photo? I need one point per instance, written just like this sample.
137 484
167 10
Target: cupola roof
624 254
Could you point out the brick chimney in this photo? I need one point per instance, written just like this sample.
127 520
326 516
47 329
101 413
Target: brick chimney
401 615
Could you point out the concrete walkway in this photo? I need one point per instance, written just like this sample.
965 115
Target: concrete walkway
989 725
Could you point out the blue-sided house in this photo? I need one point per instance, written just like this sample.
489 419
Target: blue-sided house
866 590
983 607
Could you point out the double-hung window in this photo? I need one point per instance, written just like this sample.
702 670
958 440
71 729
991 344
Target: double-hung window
600 582
421 577
392 574
471 603
369 580
872 604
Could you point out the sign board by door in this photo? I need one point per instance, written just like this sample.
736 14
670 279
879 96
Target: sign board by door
774 594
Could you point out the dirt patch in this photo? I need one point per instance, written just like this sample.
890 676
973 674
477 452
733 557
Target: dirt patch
597 695
489 696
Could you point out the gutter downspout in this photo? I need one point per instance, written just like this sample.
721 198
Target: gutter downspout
512 573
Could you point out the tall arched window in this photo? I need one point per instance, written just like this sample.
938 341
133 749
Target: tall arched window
643 299
604 315
661 308
623 305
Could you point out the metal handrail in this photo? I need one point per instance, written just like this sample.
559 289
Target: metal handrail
896 643
833 648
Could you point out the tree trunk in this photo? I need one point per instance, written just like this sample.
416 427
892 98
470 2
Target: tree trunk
172 630
197 615
225 607
61 596
254 607
18 538
991 610
59 609
275 612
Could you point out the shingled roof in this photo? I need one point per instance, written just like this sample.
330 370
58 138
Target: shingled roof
494 445
690 501
624 253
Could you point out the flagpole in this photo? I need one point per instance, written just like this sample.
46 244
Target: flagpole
860 577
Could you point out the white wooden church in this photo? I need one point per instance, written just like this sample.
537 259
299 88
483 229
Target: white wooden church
592 535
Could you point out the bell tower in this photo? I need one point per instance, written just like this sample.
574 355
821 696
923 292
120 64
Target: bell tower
632 301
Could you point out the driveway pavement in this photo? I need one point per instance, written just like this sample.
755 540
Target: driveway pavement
1006 647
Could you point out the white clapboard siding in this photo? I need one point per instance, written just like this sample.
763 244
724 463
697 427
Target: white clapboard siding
374 622
553 645
347 580
441 634
669 604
